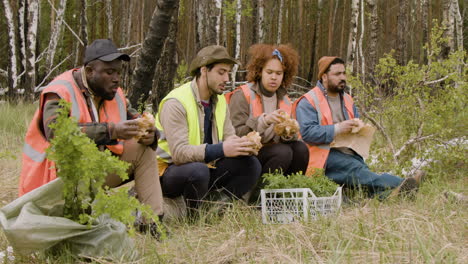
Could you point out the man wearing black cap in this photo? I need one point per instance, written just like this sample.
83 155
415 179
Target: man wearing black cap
196 131
326 111
99 105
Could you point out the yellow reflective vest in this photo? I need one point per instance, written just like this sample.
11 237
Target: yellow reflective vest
186 97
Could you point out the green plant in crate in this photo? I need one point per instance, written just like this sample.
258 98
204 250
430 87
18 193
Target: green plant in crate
319 183
83 169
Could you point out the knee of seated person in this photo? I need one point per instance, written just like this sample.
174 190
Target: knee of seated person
283 151
132 146
199 172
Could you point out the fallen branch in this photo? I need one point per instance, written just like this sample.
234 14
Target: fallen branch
130 47
439 80
410 142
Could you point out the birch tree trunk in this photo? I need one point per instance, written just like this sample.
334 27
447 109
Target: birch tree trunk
151 51
458 23
361 54
374 28
163 81
238 39
425 28
83 32
218 5
110 20
280 22
22 31
449 23
352 35
55 35
260 21
12 69
200 24
31 40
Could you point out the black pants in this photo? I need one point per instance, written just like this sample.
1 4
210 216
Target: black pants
193 180
290 157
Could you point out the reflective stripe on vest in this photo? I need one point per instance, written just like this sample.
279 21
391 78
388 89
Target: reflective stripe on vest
185 96
36 169
318 154
255 104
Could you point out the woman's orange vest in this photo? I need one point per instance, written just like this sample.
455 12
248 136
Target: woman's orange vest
255 101
318 154
37 170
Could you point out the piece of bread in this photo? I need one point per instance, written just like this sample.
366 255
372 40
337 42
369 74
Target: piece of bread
287 127
255 139
145 123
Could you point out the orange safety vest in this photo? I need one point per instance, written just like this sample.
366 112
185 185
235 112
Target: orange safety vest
37 170
318 154
256 107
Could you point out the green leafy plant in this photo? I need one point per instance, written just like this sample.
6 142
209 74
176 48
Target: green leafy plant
83 169
319 184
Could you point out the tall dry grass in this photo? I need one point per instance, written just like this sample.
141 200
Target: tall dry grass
431 229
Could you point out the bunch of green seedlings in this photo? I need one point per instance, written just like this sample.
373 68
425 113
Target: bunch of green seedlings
318 183
83 169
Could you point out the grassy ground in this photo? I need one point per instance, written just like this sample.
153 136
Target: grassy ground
431 229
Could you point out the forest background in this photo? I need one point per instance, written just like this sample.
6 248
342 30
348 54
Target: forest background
407 71
40 39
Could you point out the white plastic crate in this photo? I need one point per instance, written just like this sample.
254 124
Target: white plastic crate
281 206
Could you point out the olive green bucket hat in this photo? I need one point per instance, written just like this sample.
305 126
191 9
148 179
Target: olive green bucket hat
209 55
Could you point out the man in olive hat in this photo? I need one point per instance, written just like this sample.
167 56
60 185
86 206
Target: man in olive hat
326 111
198 149
99 105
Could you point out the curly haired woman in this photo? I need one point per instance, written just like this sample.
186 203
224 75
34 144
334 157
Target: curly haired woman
258 106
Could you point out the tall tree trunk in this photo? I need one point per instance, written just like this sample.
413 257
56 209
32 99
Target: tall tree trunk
31 40
218 5
260 21
151 51
458 23
110 20
352 35
425 28
22 26
402 28
12 69
238 40
374 29
54 38
315 41
449 27
280 22
167 66
83 32
362 65
331 22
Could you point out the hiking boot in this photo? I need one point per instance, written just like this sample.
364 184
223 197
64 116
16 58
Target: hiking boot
407 188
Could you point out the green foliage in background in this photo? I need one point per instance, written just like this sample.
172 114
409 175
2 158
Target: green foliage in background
319 184
424 110
83 169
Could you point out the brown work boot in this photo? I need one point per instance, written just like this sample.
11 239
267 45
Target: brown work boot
419 176
407 188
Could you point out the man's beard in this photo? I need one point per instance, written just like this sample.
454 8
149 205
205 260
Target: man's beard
337 88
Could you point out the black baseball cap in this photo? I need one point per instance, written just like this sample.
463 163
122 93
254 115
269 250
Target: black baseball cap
104 50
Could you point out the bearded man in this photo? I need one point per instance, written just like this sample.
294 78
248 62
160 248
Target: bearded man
327 111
